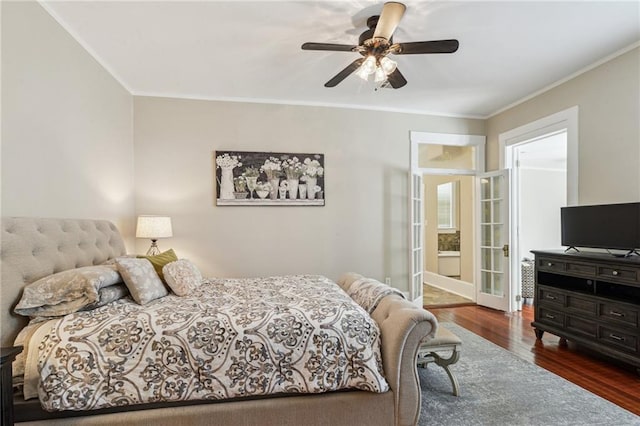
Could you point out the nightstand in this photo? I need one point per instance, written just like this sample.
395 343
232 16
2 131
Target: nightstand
7 355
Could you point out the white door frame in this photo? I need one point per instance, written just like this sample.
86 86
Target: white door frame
567 119
563 120
418 138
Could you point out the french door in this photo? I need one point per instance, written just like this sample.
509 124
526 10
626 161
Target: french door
416 243
494 289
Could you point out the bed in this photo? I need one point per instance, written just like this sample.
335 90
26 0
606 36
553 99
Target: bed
33 248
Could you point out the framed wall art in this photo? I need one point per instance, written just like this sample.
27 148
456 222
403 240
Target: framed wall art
246 178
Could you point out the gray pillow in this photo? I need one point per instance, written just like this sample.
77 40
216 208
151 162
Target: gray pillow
141 279
66 292
107 295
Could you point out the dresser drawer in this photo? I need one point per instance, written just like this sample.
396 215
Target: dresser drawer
614 274
547 295
582 305
582 269
618 338
582 326
550 317
551 265
620 314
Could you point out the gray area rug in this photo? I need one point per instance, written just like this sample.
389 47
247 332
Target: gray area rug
498 388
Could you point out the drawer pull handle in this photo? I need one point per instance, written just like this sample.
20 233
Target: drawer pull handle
550 316
550 297
549 264
616 314
618 338
614 273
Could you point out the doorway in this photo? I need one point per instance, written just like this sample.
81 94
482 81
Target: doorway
449 239
540 190
543 159
446 164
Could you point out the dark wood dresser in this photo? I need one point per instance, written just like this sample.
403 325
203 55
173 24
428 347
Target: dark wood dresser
592 299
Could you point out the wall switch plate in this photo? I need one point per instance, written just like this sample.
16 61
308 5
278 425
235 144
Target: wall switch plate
387 281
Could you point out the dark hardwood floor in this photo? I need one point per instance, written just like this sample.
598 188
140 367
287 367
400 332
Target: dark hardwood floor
617 383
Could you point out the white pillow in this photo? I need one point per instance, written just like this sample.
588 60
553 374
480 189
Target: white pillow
141 279
182 276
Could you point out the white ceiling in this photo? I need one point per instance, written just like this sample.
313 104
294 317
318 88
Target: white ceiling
250 50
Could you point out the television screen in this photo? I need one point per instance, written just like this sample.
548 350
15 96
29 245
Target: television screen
609 226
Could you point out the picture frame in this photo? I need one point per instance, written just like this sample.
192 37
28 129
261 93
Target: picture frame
252 178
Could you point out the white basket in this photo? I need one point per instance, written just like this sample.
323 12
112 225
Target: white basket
527 278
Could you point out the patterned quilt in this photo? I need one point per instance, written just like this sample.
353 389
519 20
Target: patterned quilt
229 338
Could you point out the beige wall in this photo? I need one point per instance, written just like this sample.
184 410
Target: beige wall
67 125
608 98
363 226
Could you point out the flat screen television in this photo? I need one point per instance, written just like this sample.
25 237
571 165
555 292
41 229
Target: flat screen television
607 226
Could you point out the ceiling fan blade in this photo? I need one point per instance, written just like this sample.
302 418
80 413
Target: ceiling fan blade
344 73
389 19
436 46
328 46
396 79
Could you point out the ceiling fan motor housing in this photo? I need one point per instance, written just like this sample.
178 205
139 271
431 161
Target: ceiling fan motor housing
366 36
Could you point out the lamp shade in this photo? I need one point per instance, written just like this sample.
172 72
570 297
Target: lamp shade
154 227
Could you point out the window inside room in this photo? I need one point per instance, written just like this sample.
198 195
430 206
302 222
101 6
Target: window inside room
447 205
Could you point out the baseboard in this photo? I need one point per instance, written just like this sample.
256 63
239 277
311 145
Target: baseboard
461 288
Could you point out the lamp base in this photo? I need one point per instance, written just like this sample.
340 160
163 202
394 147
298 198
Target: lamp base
153 250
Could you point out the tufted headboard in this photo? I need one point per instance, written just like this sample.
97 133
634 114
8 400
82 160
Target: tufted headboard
32 248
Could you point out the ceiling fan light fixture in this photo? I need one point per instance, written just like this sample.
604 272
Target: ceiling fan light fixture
387 65
367 68
362 73
380 75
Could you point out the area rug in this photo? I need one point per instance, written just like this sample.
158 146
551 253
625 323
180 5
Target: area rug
498 388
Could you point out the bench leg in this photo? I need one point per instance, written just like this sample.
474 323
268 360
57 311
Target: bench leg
445 363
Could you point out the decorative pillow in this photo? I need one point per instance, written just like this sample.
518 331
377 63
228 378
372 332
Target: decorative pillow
141 279
66 292
182 276
158 261
368 293
107 295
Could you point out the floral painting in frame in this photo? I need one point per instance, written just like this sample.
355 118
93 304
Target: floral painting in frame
246 178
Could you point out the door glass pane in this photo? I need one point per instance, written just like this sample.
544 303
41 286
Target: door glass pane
486 282
485 258
486 212
497 235
486 235
485 190
437 156
497 187
497 211
498 285
497 260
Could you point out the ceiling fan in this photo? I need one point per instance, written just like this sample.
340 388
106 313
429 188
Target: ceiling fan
376 43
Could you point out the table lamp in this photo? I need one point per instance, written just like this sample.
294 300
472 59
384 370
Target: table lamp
154 228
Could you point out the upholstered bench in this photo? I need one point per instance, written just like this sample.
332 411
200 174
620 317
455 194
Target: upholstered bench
444 341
